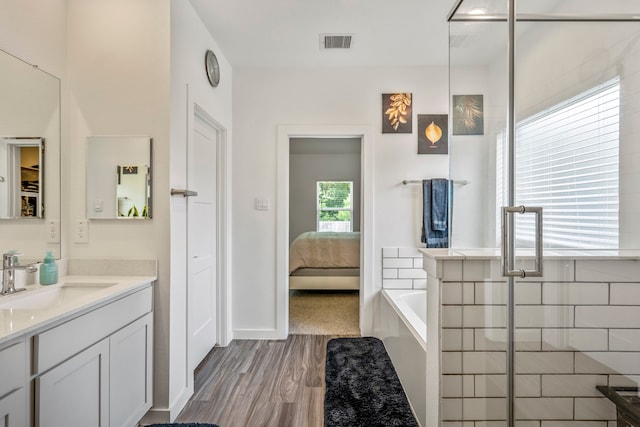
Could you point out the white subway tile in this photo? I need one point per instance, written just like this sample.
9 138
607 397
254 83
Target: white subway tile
451 362
397 284
490 339
543 316
452 270
468 341
494 424
484 362
451 339
572 385
409 253
594 409
419 283
468 293
625 293
527 385
389 273
528 293
417 263
607 271
451 316
411 273
468 386
390 252
624 380
608 317
484 316
490 385
451 385
528 339
451 409
491 293
575 339
575 293
476 270
557 270
624 339
520 423
543 408
451 293
626 363
397 263
494 408
543 362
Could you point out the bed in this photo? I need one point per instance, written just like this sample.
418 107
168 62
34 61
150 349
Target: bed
325 260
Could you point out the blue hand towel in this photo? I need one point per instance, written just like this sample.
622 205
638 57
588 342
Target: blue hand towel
432 238
439 204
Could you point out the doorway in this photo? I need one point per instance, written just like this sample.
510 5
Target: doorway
365 297
324 230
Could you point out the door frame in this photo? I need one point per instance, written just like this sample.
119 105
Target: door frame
366 295
223 225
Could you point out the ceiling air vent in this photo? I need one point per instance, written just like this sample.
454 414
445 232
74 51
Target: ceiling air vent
335 41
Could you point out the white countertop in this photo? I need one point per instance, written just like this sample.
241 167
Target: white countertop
16 322
493 253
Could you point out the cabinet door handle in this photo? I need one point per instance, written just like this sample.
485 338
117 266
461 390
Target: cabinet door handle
183 193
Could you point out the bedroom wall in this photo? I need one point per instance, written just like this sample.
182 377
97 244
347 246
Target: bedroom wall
320 159
265 98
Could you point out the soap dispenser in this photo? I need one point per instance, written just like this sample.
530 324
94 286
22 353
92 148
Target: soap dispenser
49 270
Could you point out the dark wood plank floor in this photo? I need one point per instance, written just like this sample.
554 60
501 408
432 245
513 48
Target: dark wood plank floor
261 384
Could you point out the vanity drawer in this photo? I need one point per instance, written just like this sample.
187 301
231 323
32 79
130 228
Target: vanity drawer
63 341
13 359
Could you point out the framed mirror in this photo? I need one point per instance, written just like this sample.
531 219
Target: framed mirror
29 174
119 177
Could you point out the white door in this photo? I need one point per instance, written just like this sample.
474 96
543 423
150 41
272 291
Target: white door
202 235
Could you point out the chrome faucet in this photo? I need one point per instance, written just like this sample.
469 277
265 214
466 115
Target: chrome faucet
9 267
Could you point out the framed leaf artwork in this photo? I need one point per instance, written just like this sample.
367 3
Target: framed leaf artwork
433 134
468 115
396 113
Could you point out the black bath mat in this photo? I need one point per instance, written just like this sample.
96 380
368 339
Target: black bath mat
362 386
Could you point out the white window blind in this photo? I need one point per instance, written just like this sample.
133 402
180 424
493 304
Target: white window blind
567 162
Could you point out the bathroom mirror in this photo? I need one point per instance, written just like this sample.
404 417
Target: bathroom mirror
29 174
119 177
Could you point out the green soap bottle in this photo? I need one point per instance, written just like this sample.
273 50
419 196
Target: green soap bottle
49 270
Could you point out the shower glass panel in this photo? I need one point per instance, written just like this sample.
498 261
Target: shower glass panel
544 112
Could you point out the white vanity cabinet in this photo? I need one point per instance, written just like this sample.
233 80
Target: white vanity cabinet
96 369
13 401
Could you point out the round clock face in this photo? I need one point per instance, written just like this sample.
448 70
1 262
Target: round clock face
212 67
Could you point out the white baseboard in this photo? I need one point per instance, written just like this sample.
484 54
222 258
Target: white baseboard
167 415
256 334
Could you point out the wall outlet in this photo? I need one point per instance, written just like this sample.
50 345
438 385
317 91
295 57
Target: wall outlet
52 231
261 204
81 234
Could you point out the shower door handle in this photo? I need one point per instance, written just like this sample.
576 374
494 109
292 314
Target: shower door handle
508 242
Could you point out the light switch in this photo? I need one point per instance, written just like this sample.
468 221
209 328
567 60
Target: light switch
52 231
81 234
262 204
98 205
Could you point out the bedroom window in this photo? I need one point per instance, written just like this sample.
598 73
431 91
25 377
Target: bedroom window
567 161
334 205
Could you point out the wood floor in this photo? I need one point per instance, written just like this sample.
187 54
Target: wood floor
261 384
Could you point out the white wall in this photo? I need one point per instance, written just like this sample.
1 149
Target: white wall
266 98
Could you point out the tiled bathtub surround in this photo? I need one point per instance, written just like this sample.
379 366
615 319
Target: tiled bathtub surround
576 327
402 269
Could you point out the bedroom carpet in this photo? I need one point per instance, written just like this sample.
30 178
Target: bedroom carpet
324 313
363 388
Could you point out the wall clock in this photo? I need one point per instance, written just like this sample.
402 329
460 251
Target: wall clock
212 67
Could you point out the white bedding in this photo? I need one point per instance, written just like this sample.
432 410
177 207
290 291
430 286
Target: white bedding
325 250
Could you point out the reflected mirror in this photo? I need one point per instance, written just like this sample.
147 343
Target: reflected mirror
29 178
119 177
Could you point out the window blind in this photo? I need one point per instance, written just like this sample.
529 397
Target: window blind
567 162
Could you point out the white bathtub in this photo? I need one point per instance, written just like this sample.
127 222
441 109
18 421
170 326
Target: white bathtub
403 330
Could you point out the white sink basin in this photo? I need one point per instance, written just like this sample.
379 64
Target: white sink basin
44 299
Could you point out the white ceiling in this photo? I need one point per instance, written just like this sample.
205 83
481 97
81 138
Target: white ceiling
286 33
